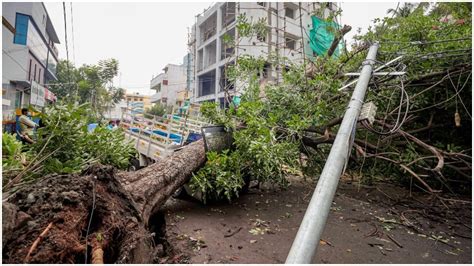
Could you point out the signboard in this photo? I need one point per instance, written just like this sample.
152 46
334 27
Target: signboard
48 95
37 94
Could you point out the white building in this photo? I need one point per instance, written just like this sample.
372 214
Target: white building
285 24
171 85
29 56
116 112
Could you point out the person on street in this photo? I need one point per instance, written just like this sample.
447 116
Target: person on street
111 125
26 126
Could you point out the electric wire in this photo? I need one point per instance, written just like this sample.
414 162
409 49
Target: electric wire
426 42
72 33
67 47
459 96
404 97
18 63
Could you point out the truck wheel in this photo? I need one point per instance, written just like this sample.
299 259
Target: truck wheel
245 187
134 164
180 193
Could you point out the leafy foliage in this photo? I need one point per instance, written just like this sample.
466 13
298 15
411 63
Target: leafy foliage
277 120
156 110
89 84
72 147
435 40
65 146
221 176
12 157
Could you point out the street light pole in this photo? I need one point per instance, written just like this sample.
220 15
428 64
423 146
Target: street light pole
308 236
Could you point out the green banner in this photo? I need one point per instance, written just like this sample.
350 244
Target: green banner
322 35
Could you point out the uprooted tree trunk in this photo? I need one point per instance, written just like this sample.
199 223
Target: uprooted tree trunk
96 217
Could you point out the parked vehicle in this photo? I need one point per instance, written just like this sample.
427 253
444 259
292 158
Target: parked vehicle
157 138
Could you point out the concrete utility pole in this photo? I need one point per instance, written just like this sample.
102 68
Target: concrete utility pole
308 236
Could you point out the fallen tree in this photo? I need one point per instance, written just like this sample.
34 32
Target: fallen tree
421 137
114 221
94 217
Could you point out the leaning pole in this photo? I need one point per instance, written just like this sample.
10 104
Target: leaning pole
308 236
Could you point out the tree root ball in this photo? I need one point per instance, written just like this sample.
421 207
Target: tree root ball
86 211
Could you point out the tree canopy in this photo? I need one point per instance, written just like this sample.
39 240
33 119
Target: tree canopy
417 137
89 84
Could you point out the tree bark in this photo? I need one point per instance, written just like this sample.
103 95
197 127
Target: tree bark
153 185
337 39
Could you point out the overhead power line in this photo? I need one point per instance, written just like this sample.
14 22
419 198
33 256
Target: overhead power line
65 31
14 60
73 42
67 48
429 42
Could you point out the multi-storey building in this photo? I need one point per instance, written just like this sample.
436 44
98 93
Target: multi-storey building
29 56
137 102
171 85
115 112
287 36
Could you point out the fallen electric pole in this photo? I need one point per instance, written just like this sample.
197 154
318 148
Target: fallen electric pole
308 236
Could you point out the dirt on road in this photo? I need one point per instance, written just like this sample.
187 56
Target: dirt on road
377 224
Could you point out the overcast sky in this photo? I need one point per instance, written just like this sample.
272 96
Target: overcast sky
144 37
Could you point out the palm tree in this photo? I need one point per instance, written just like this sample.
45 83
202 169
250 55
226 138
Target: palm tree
404 11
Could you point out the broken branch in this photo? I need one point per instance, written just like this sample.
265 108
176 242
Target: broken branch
233 233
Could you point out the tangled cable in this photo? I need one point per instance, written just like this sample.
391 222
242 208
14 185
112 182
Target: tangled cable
399 122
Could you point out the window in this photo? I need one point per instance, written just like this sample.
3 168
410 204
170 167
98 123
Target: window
18 99
29 70
223 103
34 76
39 76
267 67
227 44
228 13
290 43
21 29
37 46
262 36
165 82
289 12
225 83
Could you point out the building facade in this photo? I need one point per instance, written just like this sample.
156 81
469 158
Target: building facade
115 113
171 85
286 22
29 56
137 102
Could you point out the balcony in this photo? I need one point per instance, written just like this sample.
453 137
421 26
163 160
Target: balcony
156 97
156 82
